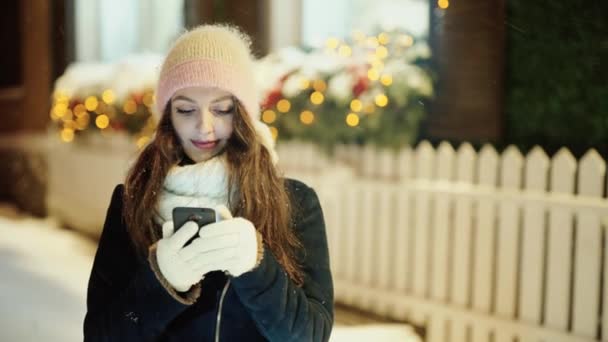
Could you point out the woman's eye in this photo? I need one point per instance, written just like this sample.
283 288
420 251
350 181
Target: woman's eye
222 111
184 111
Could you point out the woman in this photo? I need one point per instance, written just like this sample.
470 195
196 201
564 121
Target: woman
261 272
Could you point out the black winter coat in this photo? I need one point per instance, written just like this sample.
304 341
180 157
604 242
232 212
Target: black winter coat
126 301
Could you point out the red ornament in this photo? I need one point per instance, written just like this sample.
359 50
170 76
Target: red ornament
117 126
272 98
360 86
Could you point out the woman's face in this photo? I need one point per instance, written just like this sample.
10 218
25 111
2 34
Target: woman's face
202 118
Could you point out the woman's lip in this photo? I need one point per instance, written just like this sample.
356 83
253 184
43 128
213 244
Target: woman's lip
204 145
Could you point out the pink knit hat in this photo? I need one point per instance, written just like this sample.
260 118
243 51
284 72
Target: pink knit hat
214 56
210 56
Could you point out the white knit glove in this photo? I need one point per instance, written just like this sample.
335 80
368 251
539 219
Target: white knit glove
230 245
177 270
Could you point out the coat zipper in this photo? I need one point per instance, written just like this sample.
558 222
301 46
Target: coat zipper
219 311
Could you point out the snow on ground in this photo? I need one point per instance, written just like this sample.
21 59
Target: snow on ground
44 272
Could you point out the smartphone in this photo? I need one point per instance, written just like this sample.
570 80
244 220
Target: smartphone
202 216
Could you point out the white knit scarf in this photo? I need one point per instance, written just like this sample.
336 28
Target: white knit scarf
204 184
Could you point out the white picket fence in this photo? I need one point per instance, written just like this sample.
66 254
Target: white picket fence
476 246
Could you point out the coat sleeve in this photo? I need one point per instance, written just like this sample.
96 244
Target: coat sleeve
281 310
125 300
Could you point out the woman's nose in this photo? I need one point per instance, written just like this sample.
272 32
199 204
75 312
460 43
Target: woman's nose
206 121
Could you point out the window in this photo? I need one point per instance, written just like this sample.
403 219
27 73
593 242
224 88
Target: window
339 18
108 30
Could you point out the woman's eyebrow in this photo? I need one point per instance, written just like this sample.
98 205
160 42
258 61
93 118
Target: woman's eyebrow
222 99
184 98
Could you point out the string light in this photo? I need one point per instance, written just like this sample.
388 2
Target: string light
102 121
352 119
373 74
381 100
332 43
316 98
269 116
79 110
356 105
383 38
386 80
68 115
307 117
381 52
67 135
82 121
345 51
275 132
148 99
142 141
284 106
130 107
108 96
60 109
406 40
319 85
91 103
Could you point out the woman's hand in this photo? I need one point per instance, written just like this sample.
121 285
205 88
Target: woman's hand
174 266
231 245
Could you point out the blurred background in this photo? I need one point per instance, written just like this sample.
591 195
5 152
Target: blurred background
458 148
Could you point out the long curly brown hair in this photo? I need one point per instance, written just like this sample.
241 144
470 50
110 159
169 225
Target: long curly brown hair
261 198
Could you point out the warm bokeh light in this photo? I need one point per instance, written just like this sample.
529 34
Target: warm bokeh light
130 107
345 51
319 85
68 115
69 124
108 96
352 119
269 116
406 40
275 132
386 80
383 38
148 99
381 100
142 141
307 117
82 121
60 109
373 74
356 105
443 4
283 106
332 43
91 103
102 121
80 110
316 98
67 135
381 52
